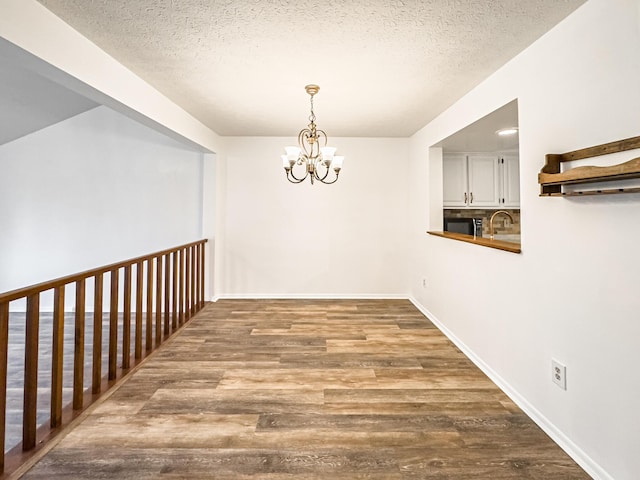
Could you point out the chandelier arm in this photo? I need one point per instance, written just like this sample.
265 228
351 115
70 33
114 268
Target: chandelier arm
332 181
302 141
321 133
295 180
326 173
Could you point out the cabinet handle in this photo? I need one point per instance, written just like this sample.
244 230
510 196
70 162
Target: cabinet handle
465 197
471 197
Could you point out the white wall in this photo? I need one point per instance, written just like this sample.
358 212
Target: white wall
342 240
35 39
92 190
209 219
573 292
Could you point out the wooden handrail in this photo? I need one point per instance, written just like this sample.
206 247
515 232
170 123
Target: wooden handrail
51 284
179 294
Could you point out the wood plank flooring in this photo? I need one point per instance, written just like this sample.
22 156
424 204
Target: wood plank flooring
291 389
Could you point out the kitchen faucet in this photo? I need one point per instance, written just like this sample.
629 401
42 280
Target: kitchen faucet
494 216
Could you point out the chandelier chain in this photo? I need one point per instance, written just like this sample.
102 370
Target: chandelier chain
312 117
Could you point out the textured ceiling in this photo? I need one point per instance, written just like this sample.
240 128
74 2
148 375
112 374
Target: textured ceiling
385 67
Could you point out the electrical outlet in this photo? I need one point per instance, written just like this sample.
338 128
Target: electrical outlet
559 374
424 282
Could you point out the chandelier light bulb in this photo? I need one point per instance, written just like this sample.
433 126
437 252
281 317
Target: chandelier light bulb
327 153
292 153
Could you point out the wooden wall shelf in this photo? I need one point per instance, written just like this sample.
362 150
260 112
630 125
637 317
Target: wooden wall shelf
551 179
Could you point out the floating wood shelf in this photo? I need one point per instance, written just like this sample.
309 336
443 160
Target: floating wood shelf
551 179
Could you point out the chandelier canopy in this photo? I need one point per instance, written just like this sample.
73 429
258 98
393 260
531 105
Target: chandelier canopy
312 158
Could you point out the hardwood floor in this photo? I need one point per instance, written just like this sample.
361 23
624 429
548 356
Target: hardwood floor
290 389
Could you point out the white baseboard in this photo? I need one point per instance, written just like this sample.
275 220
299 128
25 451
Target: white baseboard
573 450
310 296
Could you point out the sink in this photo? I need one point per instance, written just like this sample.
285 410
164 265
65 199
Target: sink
507 237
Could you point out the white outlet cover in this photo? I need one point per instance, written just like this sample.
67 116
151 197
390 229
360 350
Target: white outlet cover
559 374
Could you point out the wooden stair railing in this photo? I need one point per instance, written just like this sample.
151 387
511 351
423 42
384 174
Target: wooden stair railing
178 294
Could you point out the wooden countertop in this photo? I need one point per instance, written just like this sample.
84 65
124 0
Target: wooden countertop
482 241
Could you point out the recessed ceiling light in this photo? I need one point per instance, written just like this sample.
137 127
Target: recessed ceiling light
507 131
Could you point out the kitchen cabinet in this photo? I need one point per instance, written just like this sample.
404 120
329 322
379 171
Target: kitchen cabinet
481 180
510 181
455 180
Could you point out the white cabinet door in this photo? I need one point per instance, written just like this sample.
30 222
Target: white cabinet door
454 175
484 178
510 181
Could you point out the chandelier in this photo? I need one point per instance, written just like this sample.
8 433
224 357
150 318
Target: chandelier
309 158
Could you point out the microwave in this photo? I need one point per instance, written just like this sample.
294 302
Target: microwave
468 226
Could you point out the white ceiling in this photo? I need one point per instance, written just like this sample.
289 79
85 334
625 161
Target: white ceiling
385 67
481 136
29 102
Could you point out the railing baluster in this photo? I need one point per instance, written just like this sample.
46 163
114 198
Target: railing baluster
126 320
149 332
202 275
174 291
78 353
30 372
193 279
159 301
113 325
167 293
187 298
4 348
139 290
181 292
202 267
57 360
196 296
97 333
